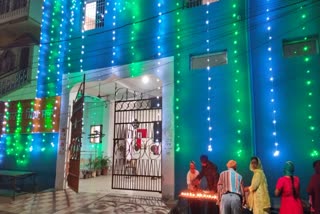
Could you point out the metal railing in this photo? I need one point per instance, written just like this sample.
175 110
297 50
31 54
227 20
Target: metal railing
14 81
11 10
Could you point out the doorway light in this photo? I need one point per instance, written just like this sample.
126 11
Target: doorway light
145 79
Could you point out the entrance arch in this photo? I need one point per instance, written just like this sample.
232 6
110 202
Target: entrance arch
163 69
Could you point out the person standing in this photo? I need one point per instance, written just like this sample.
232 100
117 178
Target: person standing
195 205
230 190
258 199
288 187
192 174
210 171
314 188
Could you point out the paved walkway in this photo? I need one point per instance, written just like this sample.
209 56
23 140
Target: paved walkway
96 196
67 201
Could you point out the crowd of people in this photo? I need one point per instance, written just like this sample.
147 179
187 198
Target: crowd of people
234 197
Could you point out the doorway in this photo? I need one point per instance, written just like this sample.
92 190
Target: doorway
123 124
100 88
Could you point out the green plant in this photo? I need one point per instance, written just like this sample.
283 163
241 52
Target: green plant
105 162
97 163
90 163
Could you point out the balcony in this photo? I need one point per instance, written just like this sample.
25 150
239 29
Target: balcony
13 10
18 17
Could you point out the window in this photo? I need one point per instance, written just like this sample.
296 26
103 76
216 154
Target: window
18 4
24 58
195 3
96 135
300 47
94 15
7 61
212 60
4 6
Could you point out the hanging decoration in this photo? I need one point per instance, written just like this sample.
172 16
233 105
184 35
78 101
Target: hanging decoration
271 79
30 116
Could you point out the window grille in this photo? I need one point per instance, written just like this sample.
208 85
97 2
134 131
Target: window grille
94 14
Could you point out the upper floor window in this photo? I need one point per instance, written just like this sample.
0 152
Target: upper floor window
8 6
4 6
195 3
300 47
17 4
7 61
208 60
94 14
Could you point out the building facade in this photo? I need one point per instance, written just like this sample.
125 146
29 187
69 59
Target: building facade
236 79
21 139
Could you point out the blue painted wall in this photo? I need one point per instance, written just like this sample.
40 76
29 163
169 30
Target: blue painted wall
289 20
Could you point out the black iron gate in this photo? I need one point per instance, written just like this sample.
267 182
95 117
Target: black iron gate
137 143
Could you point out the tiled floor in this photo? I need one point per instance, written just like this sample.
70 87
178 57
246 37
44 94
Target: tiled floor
95 196
102 184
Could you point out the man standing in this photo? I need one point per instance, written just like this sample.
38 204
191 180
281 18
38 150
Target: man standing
231 190
314 188
195 205
210 171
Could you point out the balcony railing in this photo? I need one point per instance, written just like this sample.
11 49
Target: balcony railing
14 81
13 10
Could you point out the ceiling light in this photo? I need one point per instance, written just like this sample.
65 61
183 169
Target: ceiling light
145 79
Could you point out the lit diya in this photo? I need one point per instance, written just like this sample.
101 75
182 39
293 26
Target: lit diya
199 194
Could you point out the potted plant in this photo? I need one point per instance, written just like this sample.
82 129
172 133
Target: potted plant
105 163
85 173
90 166
97 165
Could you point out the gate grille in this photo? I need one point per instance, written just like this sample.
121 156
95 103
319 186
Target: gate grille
76 139
137 145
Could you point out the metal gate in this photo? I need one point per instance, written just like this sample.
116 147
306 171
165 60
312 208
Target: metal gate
76 139
137 143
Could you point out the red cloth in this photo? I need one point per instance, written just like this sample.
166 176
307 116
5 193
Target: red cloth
289 204
142 133
314 191
138 144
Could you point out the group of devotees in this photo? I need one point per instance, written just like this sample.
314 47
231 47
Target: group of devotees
234 198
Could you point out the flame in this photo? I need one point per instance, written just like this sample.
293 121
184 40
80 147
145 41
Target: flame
199 195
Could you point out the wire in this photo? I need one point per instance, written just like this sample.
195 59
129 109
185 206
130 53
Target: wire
184 48
185 34
106 74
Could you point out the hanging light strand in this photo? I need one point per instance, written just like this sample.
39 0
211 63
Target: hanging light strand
210 129
271 78
178 76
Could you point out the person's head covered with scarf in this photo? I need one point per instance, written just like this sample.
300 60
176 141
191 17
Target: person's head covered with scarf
255 163
288 170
